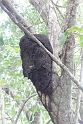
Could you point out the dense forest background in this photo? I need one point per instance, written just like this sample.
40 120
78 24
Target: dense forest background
62 22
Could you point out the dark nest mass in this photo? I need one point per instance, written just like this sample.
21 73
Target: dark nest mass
36 63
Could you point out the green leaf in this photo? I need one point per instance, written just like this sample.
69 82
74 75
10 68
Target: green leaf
17 50
17 97
1 41
75 29
80 37
63 38
81 44
2 81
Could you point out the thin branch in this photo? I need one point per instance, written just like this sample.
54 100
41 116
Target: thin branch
10 118
11 8
23 107
48 121
73 98
20 25
57 7
19 102
65 6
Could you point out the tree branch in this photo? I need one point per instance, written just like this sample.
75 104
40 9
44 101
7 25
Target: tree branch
57 7
23 107
12 120
7 8
11 8
48 121
19 102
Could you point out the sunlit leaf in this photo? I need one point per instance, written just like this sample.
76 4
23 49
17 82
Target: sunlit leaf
77 31
2 81
17 97
80 39
74 29
17 50
81 44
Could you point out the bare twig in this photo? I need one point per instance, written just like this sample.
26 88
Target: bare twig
48 121
10 118
19 102
23 107
21 26
81 101
57 7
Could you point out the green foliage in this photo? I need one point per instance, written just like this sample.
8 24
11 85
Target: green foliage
36 20
11 69
75 30
63 38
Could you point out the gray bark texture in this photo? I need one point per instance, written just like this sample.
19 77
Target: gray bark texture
61 112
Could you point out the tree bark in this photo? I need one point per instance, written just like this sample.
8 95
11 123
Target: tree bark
80 106
50 18
37 118
67 59
62 95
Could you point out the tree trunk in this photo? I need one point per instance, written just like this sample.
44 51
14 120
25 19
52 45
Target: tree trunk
61 112
81 94
50 18
67 59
